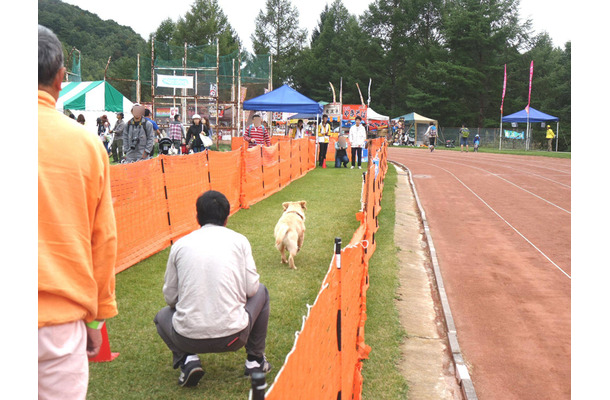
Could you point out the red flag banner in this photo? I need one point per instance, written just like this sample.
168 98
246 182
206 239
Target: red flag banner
503 91
529 97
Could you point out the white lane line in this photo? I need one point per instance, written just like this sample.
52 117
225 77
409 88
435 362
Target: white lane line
506 222
503 165
506 180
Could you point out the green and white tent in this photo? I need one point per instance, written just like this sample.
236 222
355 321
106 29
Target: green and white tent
92 96
93 99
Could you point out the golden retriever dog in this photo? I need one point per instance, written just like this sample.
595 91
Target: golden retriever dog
290 230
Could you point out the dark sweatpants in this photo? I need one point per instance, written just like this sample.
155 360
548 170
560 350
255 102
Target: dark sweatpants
253 336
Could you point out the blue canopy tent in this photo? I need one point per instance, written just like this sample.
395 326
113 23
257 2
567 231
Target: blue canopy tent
284 99
525 117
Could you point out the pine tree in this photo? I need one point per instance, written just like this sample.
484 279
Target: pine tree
277 33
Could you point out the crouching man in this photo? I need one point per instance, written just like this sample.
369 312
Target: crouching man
215 302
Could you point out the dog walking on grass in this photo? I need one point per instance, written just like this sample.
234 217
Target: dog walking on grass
290 230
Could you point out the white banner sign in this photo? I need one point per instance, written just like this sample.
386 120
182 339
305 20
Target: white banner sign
173 81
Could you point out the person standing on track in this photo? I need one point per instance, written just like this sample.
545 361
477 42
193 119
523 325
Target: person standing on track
549 137
432 134
464 133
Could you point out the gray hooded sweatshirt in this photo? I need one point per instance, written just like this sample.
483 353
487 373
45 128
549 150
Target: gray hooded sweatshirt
138 137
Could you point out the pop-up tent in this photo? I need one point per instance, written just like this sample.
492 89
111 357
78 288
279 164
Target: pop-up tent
284 99
533 116
93 99
375 120
420 123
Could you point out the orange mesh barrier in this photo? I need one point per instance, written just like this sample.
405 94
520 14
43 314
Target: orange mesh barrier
326 359
186 177
271 177
154 204
285 158
252 184
154 200
140 210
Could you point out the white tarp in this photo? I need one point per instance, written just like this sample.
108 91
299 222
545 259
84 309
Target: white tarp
371 114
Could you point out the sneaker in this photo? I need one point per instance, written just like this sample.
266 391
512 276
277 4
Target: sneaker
359 167
190 374
352 167
255 366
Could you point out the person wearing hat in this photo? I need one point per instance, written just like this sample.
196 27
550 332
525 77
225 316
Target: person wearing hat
138 136
549 137
193 138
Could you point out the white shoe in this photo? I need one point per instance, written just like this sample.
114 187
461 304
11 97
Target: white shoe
359 167
352 167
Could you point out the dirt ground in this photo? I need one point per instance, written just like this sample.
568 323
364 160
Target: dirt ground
426 361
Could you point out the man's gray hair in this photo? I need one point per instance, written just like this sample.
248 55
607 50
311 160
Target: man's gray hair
50 55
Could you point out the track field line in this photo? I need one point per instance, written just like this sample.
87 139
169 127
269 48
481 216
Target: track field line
520 170
521 162
505 221
506 180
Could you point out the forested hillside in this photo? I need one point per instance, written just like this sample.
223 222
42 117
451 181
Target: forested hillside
96 39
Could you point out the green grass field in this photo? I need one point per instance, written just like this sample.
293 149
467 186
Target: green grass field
143 369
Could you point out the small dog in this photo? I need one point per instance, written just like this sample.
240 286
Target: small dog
290 230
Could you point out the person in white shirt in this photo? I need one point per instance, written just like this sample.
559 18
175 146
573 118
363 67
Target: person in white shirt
357 139
299 132
215 302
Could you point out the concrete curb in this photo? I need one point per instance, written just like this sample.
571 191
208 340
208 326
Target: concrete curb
461 370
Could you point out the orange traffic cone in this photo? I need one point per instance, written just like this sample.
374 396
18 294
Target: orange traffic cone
324 163
105 354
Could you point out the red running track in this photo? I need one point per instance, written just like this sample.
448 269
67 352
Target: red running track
501 229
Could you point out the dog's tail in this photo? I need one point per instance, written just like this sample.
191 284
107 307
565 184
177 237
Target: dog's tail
280 234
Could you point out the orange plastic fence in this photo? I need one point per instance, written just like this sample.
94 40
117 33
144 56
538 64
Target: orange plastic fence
326 359
154 200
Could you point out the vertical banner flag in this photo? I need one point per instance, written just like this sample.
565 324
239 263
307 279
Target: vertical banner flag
333 88
341 91
369 99
529 97
503 91
360 93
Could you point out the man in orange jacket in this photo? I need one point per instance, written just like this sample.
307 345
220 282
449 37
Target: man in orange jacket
77 242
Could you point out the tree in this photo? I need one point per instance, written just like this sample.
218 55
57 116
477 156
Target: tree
339 50
408 32
478 34
277 32
203 24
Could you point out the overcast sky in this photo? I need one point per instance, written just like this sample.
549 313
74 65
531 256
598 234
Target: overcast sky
545 14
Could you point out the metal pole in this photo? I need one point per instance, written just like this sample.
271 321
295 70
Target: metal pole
238 90
217 92
500 148
557 138
184 101
233 99
270 115
152 78
138 83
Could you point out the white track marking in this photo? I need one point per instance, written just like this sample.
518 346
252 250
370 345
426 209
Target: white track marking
531 164
506 180
481 159
506 222
525 171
